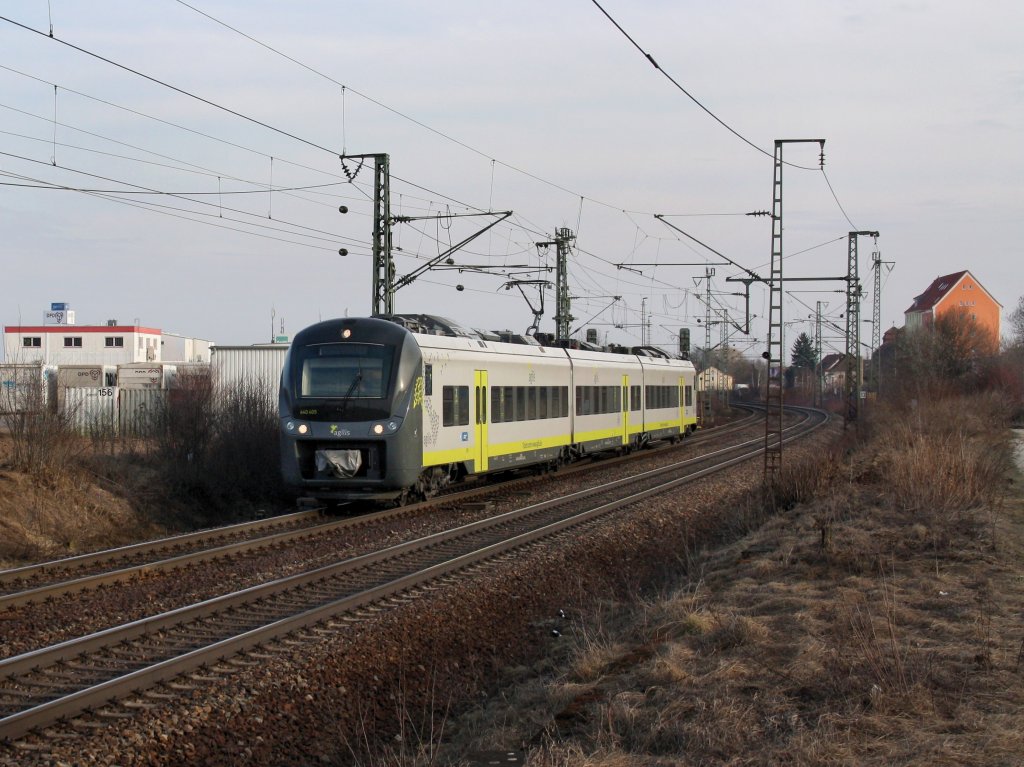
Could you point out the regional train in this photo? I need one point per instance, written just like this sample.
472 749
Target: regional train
393 408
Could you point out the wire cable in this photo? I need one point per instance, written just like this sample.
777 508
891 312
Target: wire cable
689 95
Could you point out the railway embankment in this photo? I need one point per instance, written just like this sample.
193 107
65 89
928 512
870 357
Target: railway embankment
878 623
872 616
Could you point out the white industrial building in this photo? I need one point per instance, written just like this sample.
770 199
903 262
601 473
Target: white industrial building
178 348
109 344
81 344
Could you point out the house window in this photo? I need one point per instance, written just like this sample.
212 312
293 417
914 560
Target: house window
112 342
72 342
32 342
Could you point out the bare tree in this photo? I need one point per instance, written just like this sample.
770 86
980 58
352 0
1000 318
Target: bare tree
949 355
1017 324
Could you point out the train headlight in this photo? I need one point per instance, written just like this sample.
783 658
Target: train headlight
303 428
289 426
386 427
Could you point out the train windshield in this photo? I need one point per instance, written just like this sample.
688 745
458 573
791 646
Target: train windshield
345 370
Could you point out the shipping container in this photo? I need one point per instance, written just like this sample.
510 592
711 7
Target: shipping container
28 388
92 411
140 412
146 375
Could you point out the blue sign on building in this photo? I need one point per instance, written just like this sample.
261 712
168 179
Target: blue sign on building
61 307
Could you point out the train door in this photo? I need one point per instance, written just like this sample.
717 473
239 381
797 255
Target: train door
625 410
682 406
480 456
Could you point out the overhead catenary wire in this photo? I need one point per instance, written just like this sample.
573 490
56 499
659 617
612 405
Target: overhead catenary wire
689 95
263 187
165 84
108 195
259 122
519 221
715 117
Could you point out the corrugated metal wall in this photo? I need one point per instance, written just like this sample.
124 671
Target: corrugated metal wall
249 366
113 411
92 411
134 412
140 411
27 388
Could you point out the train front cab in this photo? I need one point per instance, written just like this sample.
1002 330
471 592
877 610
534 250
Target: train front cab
351 411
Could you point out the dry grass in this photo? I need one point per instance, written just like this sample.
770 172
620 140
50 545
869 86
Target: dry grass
59 515
875 623
214 460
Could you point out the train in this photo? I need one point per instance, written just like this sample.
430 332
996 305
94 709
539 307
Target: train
393 408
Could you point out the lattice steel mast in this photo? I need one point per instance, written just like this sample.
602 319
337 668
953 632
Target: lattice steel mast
876 315
853 295
563 303
776 340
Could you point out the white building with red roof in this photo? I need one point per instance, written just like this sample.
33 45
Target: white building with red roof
59 341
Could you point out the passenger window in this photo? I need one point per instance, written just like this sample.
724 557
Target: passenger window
455 406
497 412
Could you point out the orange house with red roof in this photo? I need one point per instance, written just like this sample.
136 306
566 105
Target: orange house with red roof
957 292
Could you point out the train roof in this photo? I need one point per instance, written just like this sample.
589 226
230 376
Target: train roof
435 325
430 325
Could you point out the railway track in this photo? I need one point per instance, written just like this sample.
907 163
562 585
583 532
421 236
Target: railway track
58 682
49 580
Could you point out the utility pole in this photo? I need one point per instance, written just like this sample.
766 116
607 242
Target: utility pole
383 299
776 341
644 327
385 283
876 316
563 302
819 386
705 395
708 274
853 295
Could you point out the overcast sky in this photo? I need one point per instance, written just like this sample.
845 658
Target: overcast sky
541 108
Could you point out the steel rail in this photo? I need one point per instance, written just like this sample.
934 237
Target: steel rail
86 582
22 722
76 647
82 561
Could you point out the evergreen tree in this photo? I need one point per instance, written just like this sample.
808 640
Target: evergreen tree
803 353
